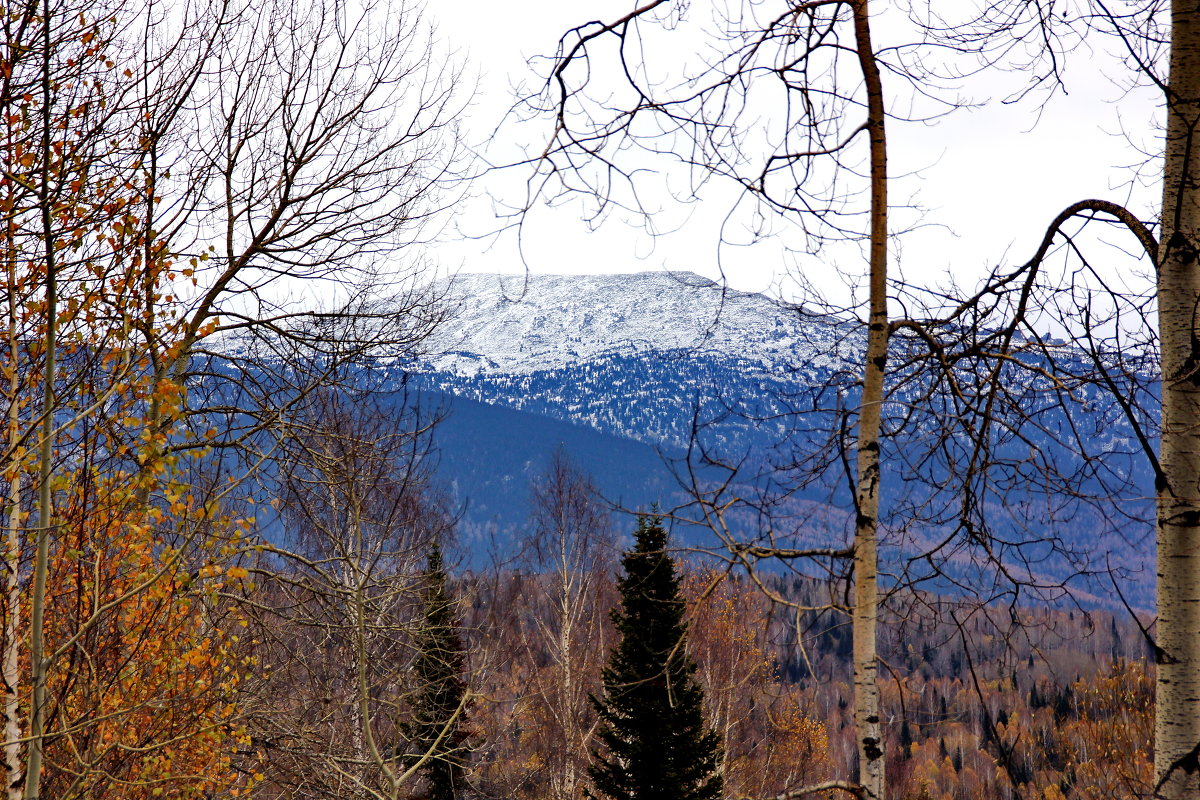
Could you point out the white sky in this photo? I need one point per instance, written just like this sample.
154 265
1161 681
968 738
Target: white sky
989 179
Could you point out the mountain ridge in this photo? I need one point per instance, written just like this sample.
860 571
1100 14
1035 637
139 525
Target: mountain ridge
522 324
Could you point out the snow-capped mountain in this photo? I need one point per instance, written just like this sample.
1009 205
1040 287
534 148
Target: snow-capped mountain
642 356
522 324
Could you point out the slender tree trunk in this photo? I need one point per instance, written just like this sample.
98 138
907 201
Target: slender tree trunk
866 591
354 581
10 671
37 658
1177 717
568 784
567 532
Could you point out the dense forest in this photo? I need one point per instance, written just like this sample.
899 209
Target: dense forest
230 569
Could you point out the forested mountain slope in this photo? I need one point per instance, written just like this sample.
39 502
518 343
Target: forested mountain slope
674 360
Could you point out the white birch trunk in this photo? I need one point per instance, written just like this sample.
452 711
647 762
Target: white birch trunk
1177 716
10 670
567 711
871 759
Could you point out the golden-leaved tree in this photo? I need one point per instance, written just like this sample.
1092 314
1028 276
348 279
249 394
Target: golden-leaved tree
141 680
116 673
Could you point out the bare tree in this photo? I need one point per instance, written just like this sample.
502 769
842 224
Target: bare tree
698 118
339 605
571 545
1159 45
311 149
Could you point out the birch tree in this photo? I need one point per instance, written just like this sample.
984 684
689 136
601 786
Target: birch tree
1160 45
571 544
339 606
788 105
1177 720
695 117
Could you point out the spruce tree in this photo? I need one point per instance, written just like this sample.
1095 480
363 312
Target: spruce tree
656 743
437 725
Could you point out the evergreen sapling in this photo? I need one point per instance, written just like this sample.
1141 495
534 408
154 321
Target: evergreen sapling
656 744
437 727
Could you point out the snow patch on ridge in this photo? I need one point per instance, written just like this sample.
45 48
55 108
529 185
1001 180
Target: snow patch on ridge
521 324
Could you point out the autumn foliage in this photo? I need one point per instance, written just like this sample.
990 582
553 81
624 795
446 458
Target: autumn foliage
141 649
145 673
159 647
770 731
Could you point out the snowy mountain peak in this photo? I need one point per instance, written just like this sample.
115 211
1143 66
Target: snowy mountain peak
525 323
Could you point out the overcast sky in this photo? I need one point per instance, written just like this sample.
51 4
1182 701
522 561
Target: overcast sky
989 179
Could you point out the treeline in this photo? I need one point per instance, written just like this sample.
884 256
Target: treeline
1059 704
298 636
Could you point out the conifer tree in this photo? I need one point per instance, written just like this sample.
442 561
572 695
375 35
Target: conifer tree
656 743
437 727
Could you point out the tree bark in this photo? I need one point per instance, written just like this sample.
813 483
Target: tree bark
871 760
37 603
10 671
1177 718
567 531
566 785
